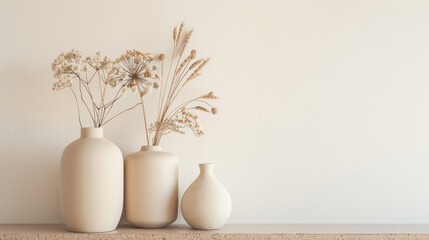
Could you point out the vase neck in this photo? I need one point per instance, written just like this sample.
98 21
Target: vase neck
150 148
91 132
206 168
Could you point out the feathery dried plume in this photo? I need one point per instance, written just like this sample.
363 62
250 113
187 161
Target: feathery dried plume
197 72
186 61
196 63
193 53
175 35
209 95
188 37
173 117
203 64
193 76
201 108
180 32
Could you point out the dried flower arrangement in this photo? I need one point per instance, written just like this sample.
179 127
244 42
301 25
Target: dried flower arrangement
171 117
135 70
94 75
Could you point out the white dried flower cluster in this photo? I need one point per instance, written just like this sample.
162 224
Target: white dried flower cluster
65 67
166 127
191 121
113 70
72 64
62 83
137 76
96 70
184 119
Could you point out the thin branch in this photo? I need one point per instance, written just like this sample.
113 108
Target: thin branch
84 102
160 90
77 104
111 104
144 116
128 109
175 110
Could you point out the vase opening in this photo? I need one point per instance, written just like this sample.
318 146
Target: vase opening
150 148
91 132
206 168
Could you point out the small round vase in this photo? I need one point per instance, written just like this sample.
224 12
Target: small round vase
151 188
206 204
92 182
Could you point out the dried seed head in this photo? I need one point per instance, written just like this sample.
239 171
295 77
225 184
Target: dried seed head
161 57
175 35
180 32
137 59
201 108
203 64
214 111
209 95
196 63
133 86
184 62
193 76
212 95
155 85
188 37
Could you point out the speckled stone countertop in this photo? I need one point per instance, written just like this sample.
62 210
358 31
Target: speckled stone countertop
179 232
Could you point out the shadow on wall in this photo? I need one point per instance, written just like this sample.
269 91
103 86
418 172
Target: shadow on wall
29 183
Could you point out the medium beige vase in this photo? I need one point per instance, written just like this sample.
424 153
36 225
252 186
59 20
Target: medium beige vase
206 204
92 182
151 188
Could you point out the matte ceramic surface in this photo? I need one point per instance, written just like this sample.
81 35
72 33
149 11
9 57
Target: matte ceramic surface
151 188
206 204
92 182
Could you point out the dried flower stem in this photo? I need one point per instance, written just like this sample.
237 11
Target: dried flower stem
86 105
145 123
126 110
184 104
111 103
77 104
166 84
160 88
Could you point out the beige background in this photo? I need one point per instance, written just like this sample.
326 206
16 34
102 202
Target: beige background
323 116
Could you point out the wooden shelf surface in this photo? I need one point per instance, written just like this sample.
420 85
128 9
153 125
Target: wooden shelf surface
233 231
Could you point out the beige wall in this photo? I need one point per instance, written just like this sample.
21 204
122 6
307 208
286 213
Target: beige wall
324 109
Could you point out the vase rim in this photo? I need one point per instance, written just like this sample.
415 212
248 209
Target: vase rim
150 148
91 132
206 168
206 164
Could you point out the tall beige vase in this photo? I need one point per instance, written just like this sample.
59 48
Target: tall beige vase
206 204
151 188
92 182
